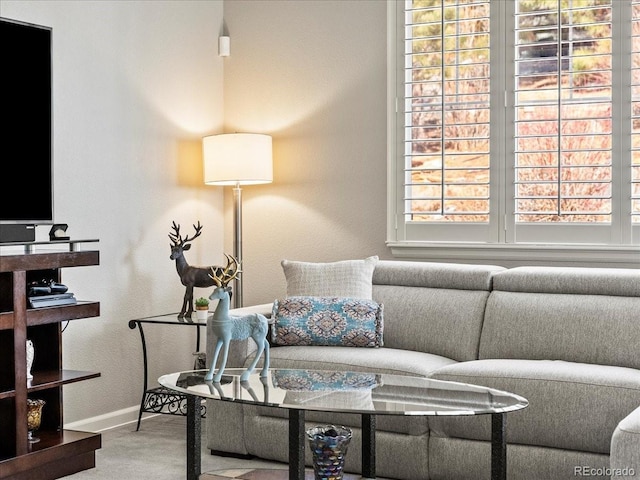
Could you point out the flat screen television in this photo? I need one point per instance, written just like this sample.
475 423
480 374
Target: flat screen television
26 173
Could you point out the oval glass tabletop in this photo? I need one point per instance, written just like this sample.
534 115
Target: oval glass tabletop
354 392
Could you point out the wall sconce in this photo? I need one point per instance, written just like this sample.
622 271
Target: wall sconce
224 46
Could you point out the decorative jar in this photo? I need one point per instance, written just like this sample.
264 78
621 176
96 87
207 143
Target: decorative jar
328 445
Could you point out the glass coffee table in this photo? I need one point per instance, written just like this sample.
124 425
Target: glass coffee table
362 393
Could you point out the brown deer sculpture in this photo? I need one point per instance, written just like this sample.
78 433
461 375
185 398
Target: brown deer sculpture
190 276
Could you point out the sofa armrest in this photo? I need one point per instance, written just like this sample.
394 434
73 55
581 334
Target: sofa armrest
239 350
625 448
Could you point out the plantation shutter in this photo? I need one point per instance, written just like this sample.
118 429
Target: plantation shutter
446 111
516 127
635 116
563 111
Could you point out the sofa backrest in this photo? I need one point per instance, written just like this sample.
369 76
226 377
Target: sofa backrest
435 308
587 315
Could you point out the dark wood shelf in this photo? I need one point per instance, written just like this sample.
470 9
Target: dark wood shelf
43 261
6 321
59 452
7 394
55 378
45 315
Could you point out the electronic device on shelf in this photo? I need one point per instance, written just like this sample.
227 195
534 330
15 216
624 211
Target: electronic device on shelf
46 287
59 232
54 300
49 293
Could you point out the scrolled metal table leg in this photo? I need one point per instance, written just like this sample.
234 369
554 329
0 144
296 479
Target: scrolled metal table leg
133 324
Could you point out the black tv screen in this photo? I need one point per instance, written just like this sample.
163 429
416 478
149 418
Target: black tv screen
26 178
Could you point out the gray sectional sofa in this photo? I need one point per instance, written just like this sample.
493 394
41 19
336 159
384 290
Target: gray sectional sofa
567 339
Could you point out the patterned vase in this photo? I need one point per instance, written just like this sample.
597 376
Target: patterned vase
34 417
30 356
328 447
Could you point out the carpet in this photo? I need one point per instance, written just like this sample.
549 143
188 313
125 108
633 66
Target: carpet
262 474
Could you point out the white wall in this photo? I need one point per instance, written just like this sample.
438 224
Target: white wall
313 75
135 86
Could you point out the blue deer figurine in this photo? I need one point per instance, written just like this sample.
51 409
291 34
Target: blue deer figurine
228 327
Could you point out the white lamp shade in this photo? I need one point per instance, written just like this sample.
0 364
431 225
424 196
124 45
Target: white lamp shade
237 159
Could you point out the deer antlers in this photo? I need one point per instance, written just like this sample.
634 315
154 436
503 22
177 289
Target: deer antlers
177 239
230 272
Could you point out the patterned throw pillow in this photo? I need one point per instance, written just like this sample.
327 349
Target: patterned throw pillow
347 278
336 321
320 380
336 390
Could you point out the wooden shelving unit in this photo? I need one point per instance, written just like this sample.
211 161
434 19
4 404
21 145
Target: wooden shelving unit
59 452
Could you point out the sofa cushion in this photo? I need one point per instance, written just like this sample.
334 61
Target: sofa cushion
598 329
460 459
433 307
444 322
574 406
379 360
622 282
349 322
456 276
587 315
347 278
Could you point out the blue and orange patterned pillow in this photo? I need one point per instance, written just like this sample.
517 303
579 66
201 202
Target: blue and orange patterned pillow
323 380
331 321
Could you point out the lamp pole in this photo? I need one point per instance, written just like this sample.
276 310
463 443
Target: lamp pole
237 243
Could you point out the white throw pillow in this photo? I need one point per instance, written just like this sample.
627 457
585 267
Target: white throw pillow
347 278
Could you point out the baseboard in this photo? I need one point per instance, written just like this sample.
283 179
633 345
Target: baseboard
109 420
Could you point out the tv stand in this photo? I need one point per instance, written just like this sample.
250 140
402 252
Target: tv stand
59 452
31 246
17 232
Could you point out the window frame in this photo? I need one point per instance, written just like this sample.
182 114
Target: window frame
616 244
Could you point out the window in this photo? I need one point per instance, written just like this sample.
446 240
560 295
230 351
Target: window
517 124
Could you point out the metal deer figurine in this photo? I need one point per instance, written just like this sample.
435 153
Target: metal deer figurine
189 276
227 327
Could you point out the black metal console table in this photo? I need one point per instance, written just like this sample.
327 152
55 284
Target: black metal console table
161 399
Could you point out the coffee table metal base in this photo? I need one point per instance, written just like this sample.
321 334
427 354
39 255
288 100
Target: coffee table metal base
297 439
194 438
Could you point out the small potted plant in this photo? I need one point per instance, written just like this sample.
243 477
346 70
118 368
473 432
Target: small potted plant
202 308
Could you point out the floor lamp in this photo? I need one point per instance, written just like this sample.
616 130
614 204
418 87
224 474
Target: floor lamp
237 159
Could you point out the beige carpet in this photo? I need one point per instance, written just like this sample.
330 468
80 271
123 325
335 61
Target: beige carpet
157 452
261 474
